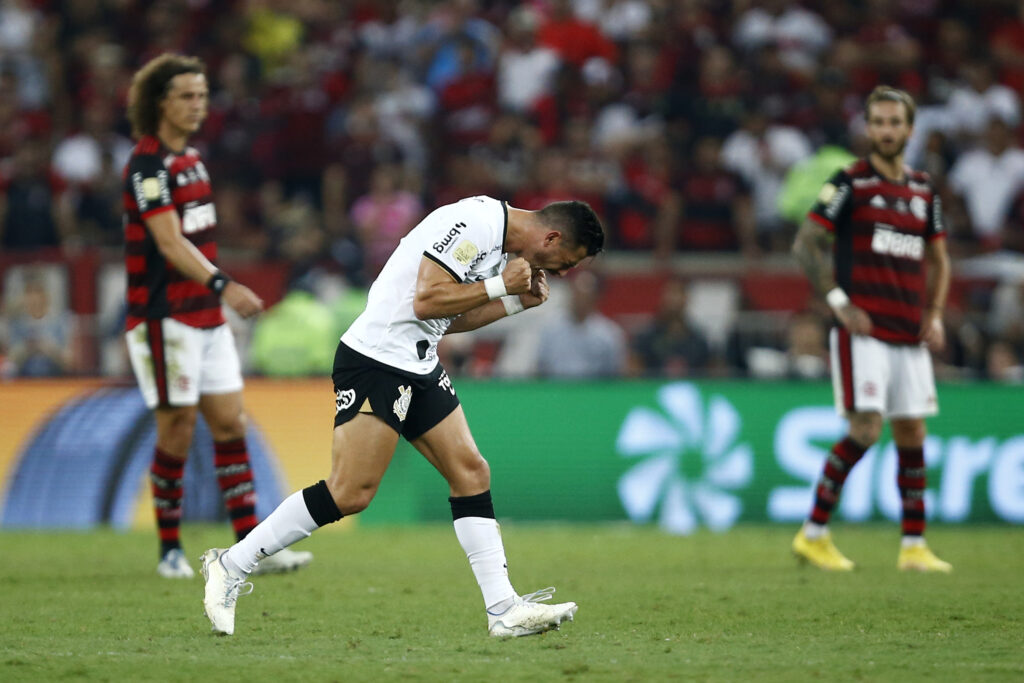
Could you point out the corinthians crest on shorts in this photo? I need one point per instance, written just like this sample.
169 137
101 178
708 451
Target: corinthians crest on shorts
401 406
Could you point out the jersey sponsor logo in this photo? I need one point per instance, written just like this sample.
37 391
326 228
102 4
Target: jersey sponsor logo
887 240
343 400
198 218
918 187
865 182
465 252
445 243
401 406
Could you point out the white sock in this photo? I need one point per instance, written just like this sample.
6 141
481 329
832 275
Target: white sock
814 531
481 539
289 523
912 541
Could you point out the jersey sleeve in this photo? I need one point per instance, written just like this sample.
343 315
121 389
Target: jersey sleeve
832 200
936 227
458 246
150 184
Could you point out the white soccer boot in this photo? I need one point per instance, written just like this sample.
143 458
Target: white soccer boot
173 565
222 592
283 560
527 616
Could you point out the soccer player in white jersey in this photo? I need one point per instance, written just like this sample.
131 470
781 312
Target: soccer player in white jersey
464 266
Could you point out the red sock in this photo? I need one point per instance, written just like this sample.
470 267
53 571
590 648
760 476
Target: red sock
911 481
234 476
841 460
165 475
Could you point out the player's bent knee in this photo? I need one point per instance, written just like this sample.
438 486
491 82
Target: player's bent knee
471 478
351 500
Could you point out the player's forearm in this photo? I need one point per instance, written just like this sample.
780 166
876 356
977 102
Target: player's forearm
478 317
811 249
448 299
939 273
187 259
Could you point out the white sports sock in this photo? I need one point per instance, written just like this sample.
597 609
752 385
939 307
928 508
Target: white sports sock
911 541
289 523
481 539
814 531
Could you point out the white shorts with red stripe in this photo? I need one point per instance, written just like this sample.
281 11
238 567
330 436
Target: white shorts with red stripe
174 363
869 375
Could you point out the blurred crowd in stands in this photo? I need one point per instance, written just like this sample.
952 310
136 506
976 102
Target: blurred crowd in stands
694 127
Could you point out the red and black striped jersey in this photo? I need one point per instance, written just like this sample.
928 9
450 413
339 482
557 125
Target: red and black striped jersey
156 180
881 228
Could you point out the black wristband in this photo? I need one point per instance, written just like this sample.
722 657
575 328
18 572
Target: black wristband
217 282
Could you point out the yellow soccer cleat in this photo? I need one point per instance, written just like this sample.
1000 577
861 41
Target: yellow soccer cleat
920 558
821 553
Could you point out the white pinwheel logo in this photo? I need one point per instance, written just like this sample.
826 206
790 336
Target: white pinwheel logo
690 461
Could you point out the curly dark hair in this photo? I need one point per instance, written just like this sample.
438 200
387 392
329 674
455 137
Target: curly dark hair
577 221
150 85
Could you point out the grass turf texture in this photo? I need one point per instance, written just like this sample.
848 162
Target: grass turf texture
401 604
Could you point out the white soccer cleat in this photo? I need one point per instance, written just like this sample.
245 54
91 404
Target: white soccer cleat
283 560
173 565
222 592
527 616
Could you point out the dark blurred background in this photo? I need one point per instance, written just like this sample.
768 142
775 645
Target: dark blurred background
700 131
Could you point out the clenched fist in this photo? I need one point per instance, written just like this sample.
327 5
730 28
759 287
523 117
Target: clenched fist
538 293
517 276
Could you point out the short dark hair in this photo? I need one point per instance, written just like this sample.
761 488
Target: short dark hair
887 93
150 85
577 221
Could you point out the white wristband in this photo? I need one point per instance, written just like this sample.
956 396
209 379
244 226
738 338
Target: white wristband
837 299
513 304
495 287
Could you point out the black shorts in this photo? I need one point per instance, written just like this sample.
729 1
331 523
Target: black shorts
411 404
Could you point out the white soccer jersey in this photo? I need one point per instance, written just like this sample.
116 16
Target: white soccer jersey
464 238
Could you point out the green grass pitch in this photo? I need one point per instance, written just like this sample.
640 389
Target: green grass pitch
382 604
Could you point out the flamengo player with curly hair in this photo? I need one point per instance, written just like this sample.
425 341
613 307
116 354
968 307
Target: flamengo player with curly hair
182 352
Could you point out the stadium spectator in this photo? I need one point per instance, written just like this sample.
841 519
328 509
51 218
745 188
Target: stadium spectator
38 336
1002 363
717 214
574 39
526 70
762 152
88 160
800 34
384 216
987 179
35 208
973 104
669 346
580 342
887 288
